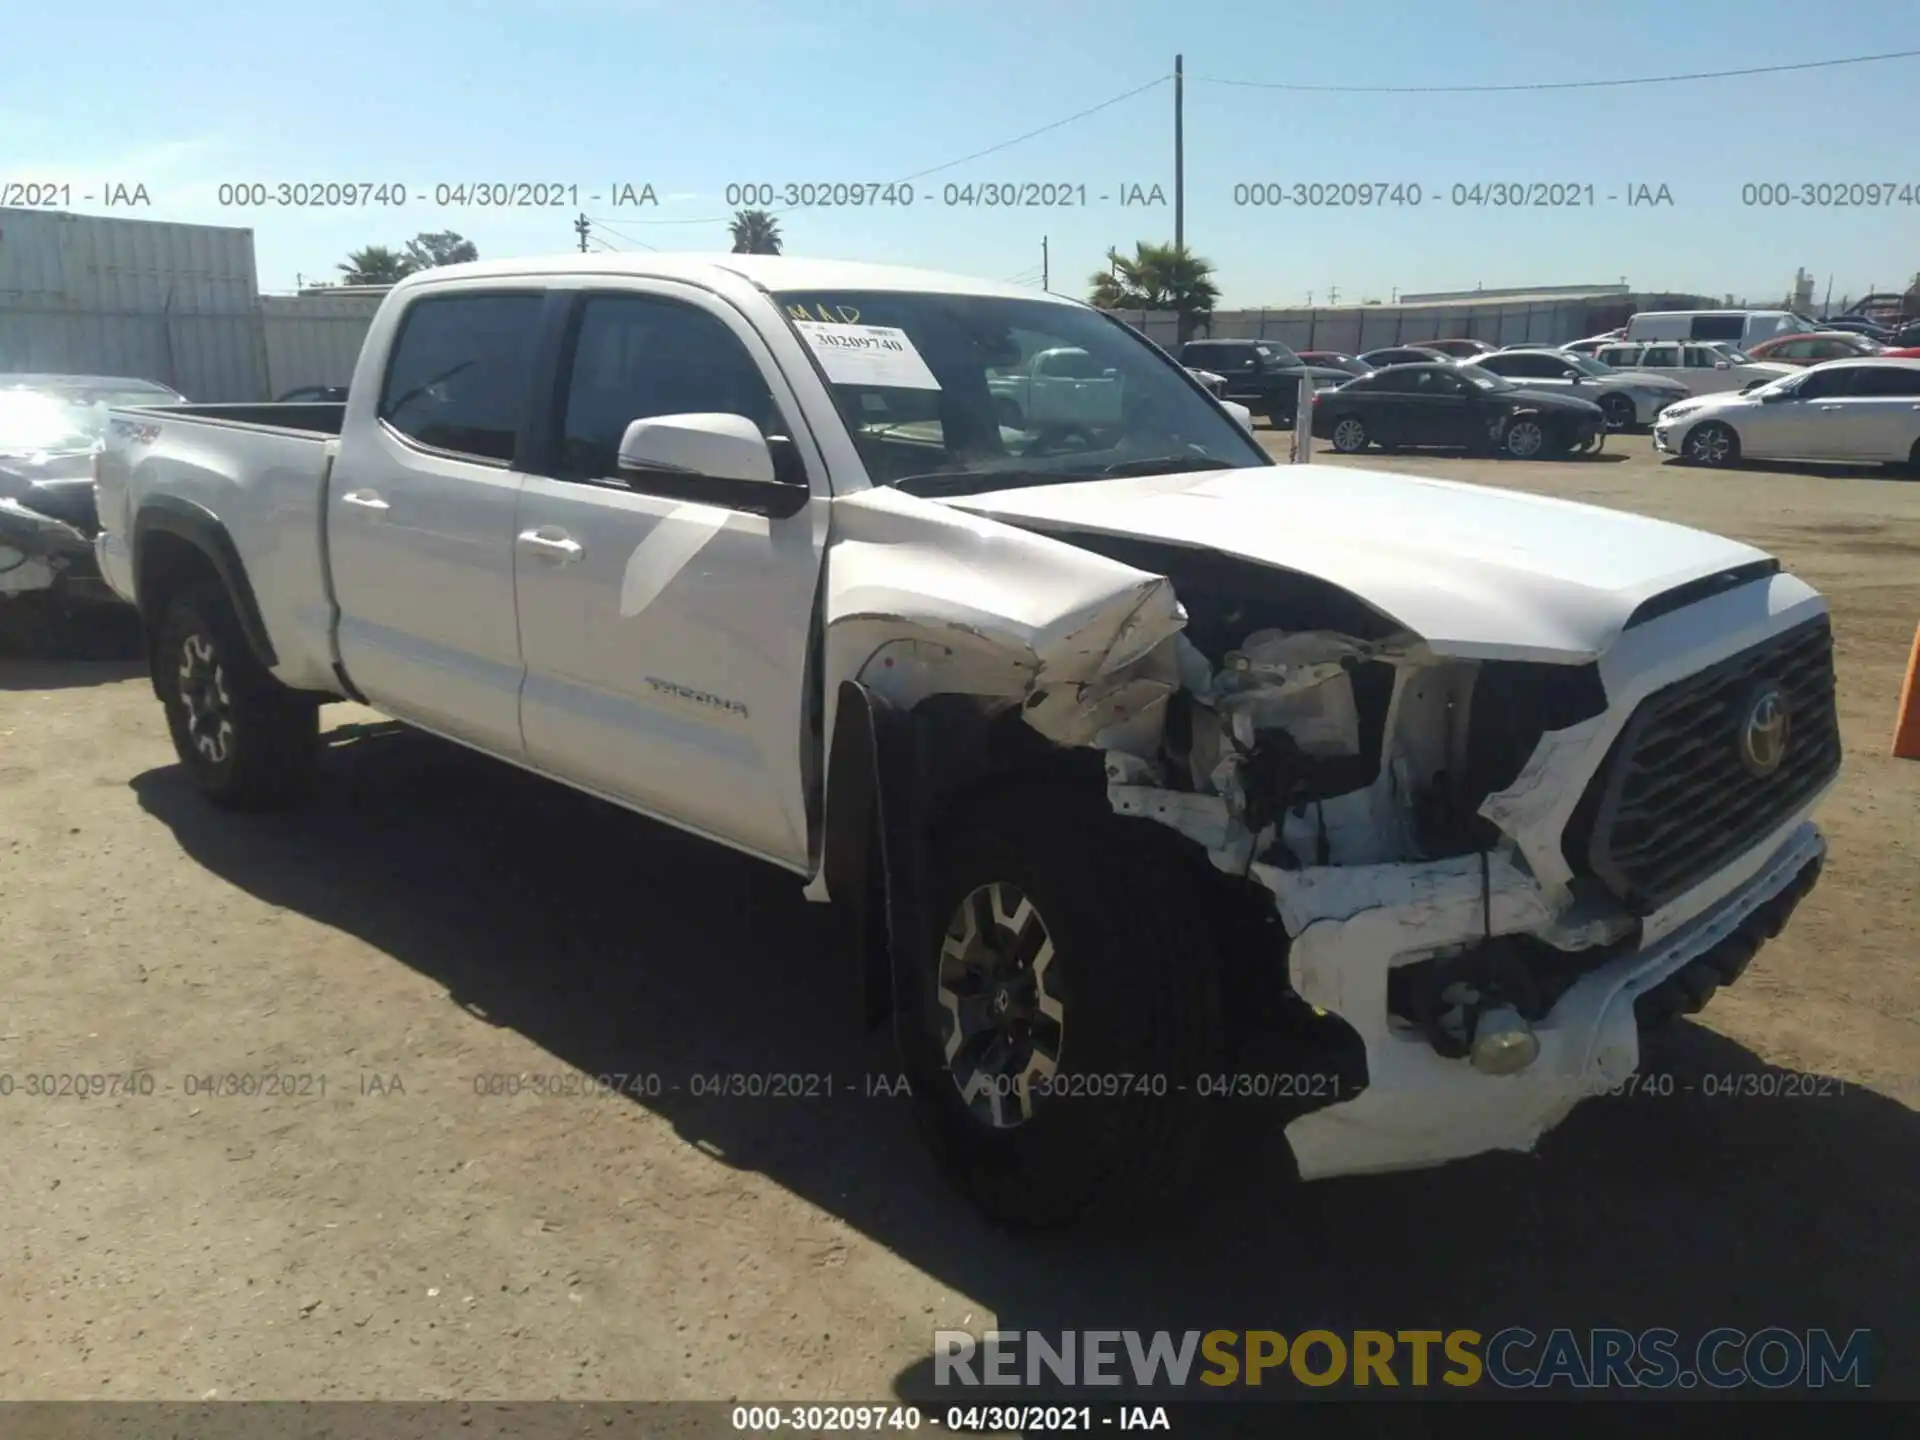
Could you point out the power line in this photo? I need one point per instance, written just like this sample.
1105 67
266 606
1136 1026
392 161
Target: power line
1559 84
602 225
964 159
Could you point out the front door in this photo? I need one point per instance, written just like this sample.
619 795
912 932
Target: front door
665 637
420 516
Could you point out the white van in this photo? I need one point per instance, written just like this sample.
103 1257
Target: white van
1742 328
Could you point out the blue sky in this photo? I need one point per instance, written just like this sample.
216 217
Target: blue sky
690 98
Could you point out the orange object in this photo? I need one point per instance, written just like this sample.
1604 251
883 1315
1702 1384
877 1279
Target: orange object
1906 727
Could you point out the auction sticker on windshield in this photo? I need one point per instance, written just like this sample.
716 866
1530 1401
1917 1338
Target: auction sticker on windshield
877 355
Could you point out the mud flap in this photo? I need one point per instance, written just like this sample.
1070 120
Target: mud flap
877 798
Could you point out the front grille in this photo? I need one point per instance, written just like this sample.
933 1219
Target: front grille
1676 799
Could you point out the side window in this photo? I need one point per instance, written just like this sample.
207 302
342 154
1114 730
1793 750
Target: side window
1703 357
1623 357
1884 381
459 375
636 357
1828 384
1662 355
1719 327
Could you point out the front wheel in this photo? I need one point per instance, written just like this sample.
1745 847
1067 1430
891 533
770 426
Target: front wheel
1525 439
1058 1011
1620 412
245 742
1712 444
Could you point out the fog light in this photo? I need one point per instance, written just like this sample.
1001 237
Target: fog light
1503 1043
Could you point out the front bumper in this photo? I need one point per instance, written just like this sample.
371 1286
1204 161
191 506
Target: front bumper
1420 1109
52 555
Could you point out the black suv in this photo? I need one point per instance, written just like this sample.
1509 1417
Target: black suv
1262 375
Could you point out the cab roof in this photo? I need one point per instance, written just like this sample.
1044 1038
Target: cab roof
768 272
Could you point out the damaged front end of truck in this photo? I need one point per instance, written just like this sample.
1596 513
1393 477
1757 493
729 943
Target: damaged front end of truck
1487 872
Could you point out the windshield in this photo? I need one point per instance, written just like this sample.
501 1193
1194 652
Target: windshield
1277 354
945 393
32 421
1587 365
1485 379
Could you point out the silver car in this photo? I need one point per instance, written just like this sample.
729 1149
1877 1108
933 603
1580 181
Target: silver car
1628 398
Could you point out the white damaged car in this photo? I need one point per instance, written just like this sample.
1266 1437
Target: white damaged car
1143 773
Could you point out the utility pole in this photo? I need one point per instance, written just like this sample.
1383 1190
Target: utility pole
580 228
1179 153
1045 275
1333 294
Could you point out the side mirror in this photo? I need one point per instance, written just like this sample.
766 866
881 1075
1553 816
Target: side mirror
709 458
1723 364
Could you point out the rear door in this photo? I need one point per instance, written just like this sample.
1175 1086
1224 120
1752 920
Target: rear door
420 514
1881 412
665 633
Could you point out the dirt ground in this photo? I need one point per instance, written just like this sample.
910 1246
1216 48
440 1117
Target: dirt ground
433 919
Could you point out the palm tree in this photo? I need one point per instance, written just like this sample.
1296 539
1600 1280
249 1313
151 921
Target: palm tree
433 248
755 232
1157 277
375 265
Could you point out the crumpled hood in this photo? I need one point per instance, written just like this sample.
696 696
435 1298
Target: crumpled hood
1476 572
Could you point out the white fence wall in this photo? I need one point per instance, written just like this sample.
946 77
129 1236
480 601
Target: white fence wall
1356 328
173 303
314 339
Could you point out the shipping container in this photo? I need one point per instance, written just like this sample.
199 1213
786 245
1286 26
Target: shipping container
314 339
159 301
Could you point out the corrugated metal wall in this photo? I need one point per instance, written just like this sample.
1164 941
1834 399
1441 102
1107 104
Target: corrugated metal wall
1355 328
314 339
174 303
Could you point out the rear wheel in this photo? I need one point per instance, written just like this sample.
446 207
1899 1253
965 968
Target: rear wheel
1350 435
1056 1016
245 741
1711 444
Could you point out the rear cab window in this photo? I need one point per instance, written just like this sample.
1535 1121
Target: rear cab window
459 378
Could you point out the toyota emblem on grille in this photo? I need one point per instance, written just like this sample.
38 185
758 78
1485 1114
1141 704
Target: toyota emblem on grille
1764 732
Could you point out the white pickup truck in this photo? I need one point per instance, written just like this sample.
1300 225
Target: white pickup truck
1129 759
1061 387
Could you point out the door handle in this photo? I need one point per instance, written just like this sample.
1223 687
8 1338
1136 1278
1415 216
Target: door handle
561 547
364 500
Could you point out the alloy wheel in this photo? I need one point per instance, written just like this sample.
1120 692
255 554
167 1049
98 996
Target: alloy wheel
209 706
1003 1011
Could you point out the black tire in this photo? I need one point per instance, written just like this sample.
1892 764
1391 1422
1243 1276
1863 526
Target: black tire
245 741
1349 434
1711 444
1280 413
1009 413
1620 411
1134 979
